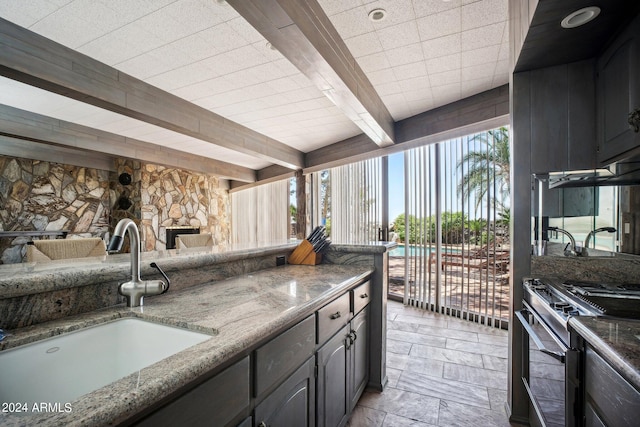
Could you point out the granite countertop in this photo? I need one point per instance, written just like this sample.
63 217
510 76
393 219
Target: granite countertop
59 274
237 312
617 340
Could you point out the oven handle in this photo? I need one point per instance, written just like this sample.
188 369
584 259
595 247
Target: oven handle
534 336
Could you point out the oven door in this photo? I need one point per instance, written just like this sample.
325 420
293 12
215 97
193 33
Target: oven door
547 362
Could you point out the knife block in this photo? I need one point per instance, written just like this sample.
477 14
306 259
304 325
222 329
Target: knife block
304 255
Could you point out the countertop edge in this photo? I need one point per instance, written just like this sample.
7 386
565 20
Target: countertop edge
606 350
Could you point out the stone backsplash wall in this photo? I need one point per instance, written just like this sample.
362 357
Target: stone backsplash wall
43 196
37 195
170 197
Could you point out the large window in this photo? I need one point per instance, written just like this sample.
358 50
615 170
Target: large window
261 214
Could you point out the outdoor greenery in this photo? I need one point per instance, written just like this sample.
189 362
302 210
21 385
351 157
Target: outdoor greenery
423 230
488 169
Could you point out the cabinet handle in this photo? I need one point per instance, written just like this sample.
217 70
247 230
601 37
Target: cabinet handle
262 424
355 336
364 296
335 315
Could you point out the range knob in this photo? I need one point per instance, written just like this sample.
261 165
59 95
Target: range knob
570 310
561 305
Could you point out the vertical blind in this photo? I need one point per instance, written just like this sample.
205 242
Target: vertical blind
356 208
261 214
456 253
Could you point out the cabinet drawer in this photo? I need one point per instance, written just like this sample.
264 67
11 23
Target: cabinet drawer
283 354
361 296
333 316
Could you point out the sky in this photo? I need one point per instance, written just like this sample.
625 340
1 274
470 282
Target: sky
396 185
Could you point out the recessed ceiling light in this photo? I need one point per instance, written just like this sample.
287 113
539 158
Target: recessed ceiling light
270 46
580 17
377 15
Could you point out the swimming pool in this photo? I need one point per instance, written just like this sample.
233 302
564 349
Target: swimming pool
414 250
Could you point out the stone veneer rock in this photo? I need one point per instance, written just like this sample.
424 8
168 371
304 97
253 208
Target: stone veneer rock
170 197
37 195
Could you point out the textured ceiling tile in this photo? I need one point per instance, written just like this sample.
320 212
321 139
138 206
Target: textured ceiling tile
198 15
443 63
388 88
505 52
416 83
502 68
333 7
482 55
422 93
131 37
430 7
440 24
399 35
181 78
222 38
405 54
146 65
363 45
441 46
483 13
373 62
482 36
382 76
409 71
444 79
78 23
135 9
478 71
352 22
398 12
163 26
15 11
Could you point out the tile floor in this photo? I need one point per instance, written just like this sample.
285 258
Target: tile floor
442 371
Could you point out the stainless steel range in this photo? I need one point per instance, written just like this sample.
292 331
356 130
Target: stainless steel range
551 365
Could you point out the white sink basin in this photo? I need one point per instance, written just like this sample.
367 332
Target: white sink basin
63 368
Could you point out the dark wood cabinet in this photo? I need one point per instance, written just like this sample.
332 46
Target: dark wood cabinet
343 368
609 399
562 116
216 402
359 357
278 358
618 69
332 405
292 403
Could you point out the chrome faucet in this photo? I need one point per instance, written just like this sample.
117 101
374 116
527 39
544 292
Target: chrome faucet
135 289
593 233
567 251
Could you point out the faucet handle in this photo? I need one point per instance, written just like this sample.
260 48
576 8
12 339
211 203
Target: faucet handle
156 266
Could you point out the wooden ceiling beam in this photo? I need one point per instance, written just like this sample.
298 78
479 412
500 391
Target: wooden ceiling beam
303 33
35 60
71 137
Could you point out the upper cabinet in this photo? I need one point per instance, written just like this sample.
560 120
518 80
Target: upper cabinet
618 88
561 115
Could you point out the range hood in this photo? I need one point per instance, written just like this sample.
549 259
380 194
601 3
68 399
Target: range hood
622 172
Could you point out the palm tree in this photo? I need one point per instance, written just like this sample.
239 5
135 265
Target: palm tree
486 168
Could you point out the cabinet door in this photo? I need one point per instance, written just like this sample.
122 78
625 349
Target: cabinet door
618 94
332 400
292 403
358 356
215 402
614 400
